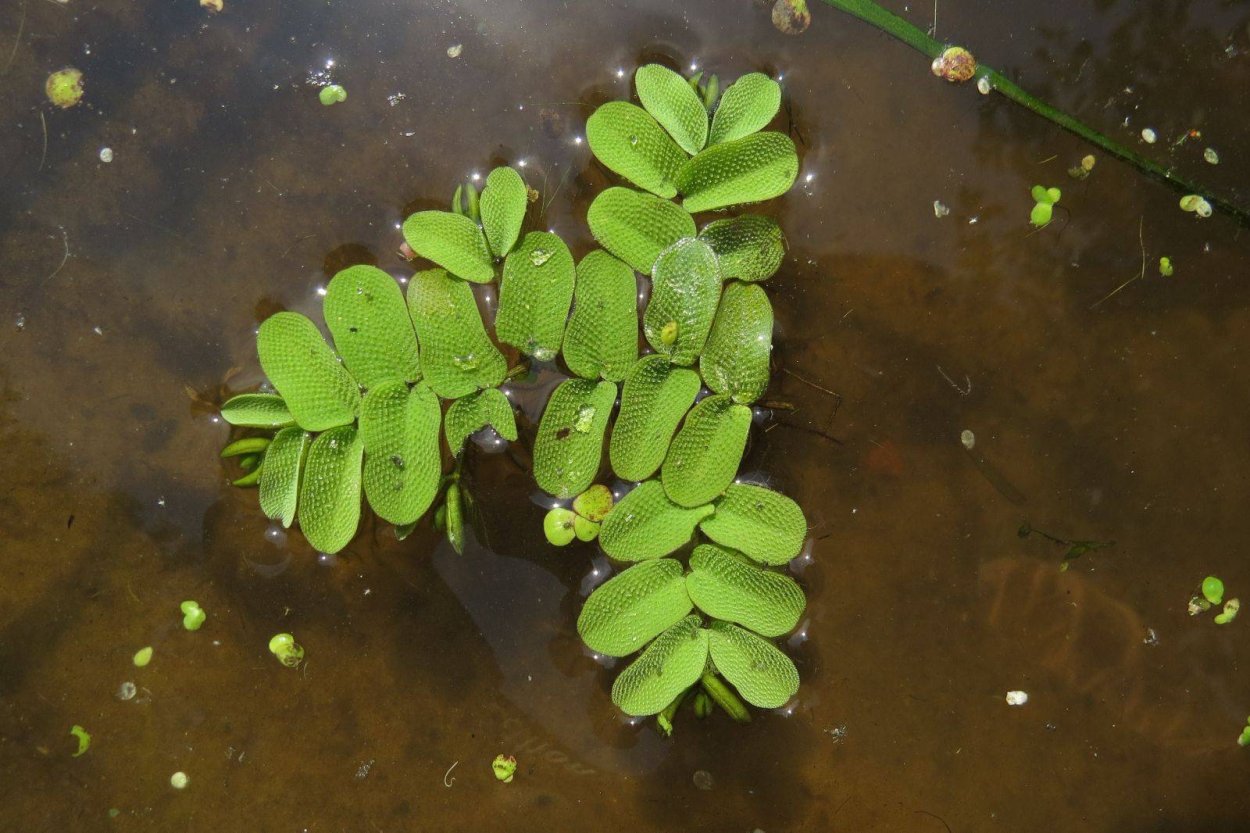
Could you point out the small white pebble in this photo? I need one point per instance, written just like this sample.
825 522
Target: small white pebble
1211 156
983 85
106 155
1017 698
179 780
968 439
454 50
939 209
1148 136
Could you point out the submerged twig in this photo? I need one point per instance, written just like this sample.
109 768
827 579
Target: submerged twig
446 782
64 259
44 157
21 27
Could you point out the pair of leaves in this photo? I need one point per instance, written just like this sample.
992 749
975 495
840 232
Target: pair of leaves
765 525
650 147
679 656
636 605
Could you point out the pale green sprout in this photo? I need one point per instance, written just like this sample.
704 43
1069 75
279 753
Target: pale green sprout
1195 204
558 526
193 616
504 767
1244 740
1230 612
143 656
1213 590
289 652
332 94
1044 207
1165 267
83 737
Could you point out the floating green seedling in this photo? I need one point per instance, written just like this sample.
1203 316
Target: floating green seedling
1044 204
1231 607
83 737
1213 589
1195 204
289 652
193 616
142 657
64 87
1244 739
257 410
585 530
1165 267
558 526
332 94
504 767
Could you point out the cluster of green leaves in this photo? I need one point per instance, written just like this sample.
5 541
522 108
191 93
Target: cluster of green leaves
365 416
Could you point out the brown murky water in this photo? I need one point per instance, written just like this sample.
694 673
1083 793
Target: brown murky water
233 193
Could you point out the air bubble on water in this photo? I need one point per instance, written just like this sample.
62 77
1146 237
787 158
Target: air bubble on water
126 691
544 354
21 321
275 534
467 362
540 256
633 141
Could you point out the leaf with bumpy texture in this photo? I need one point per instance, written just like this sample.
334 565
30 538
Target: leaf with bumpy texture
457 357
747 106
750 246
474 412
279 479
365 312
317 389
329 496
685 286
736 356
399 429
654 398
633 607
751 169
670 665
259 410
636 227
704 456
764 676
646 524
569 444
534 295
453 241
628 141
601 338
669 98
725 586
503 205
766 525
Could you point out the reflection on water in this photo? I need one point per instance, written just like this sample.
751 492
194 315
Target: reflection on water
232 193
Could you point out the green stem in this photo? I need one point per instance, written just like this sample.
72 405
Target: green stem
723 697
664 720
910 34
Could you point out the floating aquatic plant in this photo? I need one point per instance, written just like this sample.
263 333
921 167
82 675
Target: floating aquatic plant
364 415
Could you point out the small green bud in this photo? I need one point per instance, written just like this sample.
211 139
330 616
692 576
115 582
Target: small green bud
332 94
289 652
1041 214
1230 612
668 334
84 739
585 530
1213 590
504 767
193 615
143 656
594 504
558 526
1165 267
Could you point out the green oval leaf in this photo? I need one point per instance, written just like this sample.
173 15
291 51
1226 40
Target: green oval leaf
403 466
633 607
503 205
569 444
646 524
259 410
751 169
474 412
457 357
685 286
453 241
725 586
534 295
747 106
329 496
636 227
317 389
750 247
670 665
454 517
628 141
365 312
764 676
705 454
654 398
669 98
736 358
601 339
280 474
766 525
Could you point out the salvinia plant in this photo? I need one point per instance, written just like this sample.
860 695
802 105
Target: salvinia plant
370 416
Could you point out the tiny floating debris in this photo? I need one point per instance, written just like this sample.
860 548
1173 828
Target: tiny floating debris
1211 157
1195 204
1165 267
179 780
504 767
939 209
106 155
791 17
955 64
289 652
1149 136
213 6
193 616
983 85
84 739
332 94
454 50
1244 740
1231 607
1017 698
967 439
64 87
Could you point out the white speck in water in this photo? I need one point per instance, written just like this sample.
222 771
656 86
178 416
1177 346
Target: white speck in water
179 780
454 50
21 321
1211 157
1017 698
97 330
983 85
940 209
1148 136
106 155
1151 639
968 439
126 691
